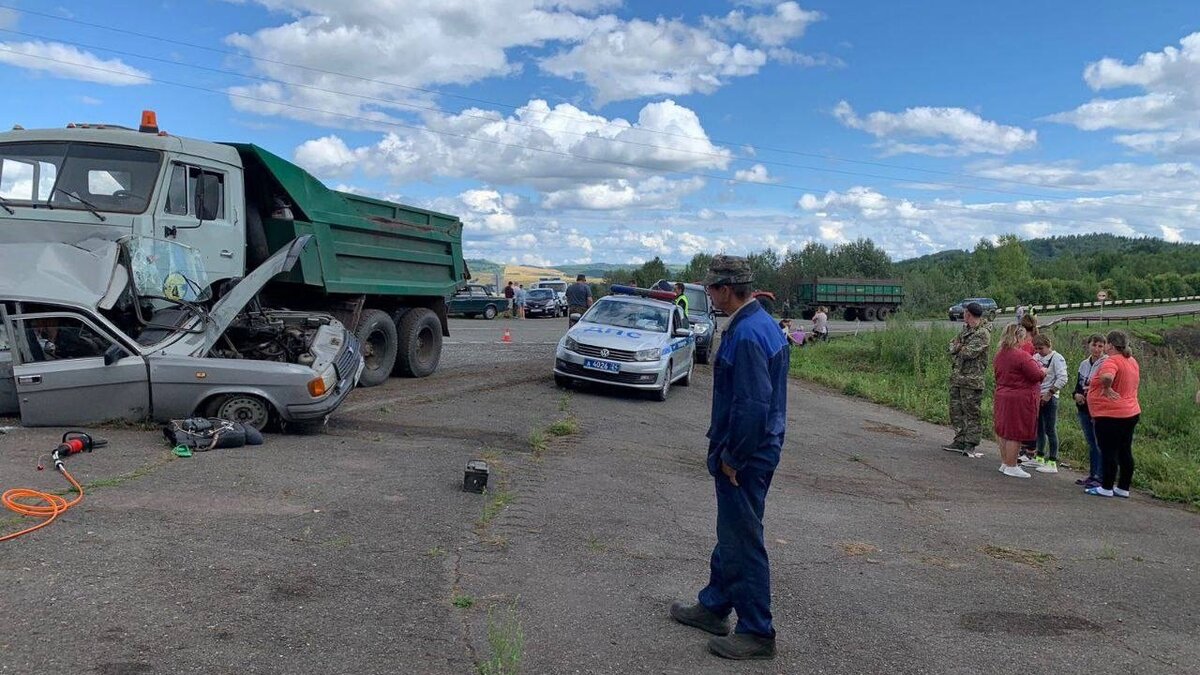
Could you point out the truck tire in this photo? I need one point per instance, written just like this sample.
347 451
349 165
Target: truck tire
885 313
420 343
377 332
257 249
870 314
850 314
489 312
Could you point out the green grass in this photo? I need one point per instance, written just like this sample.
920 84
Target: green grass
499 500
463 601
908 368
507 641
567 426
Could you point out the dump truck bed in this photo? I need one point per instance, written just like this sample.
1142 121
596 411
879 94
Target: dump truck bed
364 245
852 291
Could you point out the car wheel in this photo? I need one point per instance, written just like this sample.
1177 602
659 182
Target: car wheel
702 357
490 312
665 390
420 343
562 381
247 409
377 333
687 379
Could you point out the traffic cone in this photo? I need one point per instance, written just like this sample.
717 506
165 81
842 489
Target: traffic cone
507 339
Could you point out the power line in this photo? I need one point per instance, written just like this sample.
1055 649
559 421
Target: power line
517 123
976 210
756 148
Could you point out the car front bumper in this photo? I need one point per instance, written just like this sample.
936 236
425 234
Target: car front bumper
646 375
320 409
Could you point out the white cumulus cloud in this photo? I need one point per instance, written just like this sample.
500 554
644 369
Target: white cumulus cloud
755 174
70 62
937 131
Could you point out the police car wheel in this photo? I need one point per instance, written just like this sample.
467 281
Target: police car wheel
665 390
562 381
687 379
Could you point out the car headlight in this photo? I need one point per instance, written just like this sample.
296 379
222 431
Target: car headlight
571 345
649 354
323 383
700 328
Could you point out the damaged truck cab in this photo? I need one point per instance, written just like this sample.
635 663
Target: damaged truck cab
381 269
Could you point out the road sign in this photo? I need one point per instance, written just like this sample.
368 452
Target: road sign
1102 296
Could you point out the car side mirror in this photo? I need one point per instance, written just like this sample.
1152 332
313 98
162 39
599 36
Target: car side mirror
113 354
683 332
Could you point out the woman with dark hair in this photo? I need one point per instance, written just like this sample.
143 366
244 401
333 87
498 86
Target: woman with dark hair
1028 453
1112 400
1015 404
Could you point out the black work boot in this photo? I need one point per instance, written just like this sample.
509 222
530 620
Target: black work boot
742 646
953 446
698 616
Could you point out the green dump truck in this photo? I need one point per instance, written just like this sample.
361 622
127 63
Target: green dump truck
383 269
852 299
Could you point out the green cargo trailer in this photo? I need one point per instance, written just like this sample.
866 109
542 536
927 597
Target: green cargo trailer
864 299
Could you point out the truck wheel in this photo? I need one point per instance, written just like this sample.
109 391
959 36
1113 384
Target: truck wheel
850 314
885 313
377 332
257 249
247 409
420 343
870 314
490 312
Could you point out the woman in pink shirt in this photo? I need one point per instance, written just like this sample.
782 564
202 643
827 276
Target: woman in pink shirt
1113 403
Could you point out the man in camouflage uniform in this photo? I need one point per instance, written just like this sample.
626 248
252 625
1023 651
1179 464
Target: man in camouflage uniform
970 354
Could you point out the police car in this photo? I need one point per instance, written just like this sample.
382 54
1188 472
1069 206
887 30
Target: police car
634 338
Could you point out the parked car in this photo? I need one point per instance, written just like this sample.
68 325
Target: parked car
628 341
989 308
83 342
476 300
702 316
543 302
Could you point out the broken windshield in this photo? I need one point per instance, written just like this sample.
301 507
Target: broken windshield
78 176
167 270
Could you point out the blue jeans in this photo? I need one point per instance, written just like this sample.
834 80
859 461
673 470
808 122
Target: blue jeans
739 573
1095 462
1047 436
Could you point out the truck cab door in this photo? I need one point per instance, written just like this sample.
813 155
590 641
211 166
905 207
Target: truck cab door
70 372
201 208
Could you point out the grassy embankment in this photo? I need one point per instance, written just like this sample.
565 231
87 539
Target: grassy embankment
907 368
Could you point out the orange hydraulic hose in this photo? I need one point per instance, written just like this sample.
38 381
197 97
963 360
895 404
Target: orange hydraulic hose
50 505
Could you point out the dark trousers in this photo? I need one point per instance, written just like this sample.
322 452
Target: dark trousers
1095 460
1047 429
1115 436
739 572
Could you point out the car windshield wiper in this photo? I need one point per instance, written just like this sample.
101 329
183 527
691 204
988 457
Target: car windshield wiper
90 206
6 207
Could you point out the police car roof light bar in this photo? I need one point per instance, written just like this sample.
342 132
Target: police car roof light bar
619 289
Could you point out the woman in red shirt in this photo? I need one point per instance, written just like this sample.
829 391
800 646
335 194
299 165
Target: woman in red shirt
1112 400
1028 453
1015 405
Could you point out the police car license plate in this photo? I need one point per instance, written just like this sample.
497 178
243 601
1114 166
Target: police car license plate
606 366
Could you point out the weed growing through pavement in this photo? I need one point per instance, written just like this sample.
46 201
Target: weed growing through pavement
463 601
564 403
436 552
494 506
857 548
507 640
1023 556
1137 558
595 545
567 426
537 441
1108 552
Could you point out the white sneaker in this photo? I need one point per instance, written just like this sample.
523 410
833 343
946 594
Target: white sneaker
1001 469
1050 466
1015 472
1029 461
1121 493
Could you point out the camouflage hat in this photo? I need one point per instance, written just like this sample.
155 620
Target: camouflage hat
727 270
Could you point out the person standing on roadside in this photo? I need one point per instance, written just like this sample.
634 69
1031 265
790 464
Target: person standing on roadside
509 299
1113 402
579 297
969 352
1087 368
1028 451
821 325
1054 380
749 416
1015 403
681 298
521 296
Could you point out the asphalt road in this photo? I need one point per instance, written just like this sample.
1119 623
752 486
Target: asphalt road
345 552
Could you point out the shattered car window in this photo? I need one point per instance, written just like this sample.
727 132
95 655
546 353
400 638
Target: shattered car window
166 269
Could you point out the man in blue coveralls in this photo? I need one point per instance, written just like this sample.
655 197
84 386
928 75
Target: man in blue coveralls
749 413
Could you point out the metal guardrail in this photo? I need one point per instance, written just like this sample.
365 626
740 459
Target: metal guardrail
1106 303
1106 320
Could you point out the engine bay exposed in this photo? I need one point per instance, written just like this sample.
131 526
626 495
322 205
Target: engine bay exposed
275 335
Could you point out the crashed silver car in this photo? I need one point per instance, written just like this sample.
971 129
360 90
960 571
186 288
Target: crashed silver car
99 331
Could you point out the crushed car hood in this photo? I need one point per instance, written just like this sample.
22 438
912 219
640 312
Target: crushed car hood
85 274
612 337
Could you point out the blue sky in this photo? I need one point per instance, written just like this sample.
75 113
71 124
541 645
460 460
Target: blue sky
599 130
